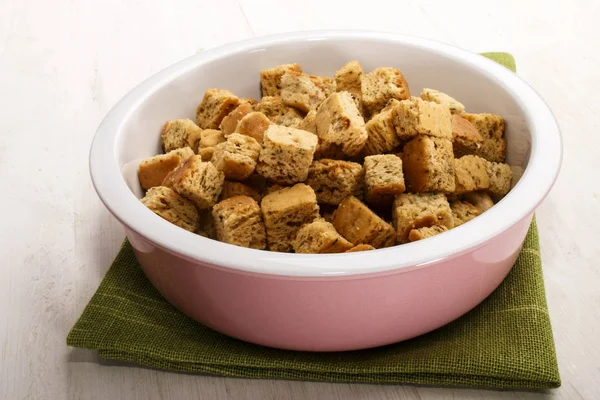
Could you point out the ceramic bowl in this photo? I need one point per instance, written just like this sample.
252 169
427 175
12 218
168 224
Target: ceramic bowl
329 302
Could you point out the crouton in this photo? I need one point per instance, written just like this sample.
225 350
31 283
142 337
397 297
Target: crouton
238 221
418 117
334 180
286 154
197 181
175 134
304 92
381 130
285 211
320 237
215 105
428 164
380 86
470 174
167 204
491 129
237 156
270 79
419 210
384 178
465 137
279 113
443 99
359 225
152 171
425 232
230 122
253 124
463 211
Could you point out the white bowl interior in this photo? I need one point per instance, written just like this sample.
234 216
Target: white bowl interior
239 72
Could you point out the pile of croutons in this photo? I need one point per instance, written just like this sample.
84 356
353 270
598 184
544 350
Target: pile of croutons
327 165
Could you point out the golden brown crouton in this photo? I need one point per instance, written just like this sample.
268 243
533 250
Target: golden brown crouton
197 181
279 113
254 125
206 153
463 211
443 99
382 132
348 79
384 178
465 137
175 134
152 171
285 211
167 204
334 180
305 92
320 237
339 122
237 156
470 174
500 179
357 223
230 122
286 154
380 86
420 210
215 105
360 247
481 200
418 117
270 79
425 232
232 189
238 221
491 128
429 165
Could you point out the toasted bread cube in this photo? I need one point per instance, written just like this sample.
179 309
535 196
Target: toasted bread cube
215 105
382 132
481 200
285 211
152 171
443 99
334 180
380 86
232 189
197 181
425 232
237 156
238 221
465 137
384 178
500 179
270 79
175 134
429 165
491 128
470 174
339 122
419 210
320 237
167 204
418 117
305 92
357 223
286 154
253 124
348 79
230 122
279 113
309 123
329 150
360 247
463 211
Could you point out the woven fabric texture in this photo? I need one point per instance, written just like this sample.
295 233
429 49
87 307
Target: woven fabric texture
505 342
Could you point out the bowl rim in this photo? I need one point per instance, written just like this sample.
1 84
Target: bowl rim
533 186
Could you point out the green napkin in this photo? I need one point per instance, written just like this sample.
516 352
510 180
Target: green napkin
505 342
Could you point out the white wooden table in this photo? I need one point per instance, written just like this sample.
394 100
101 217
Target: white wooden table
64 63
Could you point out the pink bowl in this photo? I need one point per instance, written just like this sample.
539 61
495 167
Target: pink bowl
339 301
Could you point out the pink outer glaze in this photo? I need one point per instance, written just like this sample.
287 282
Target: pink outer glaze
331 314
